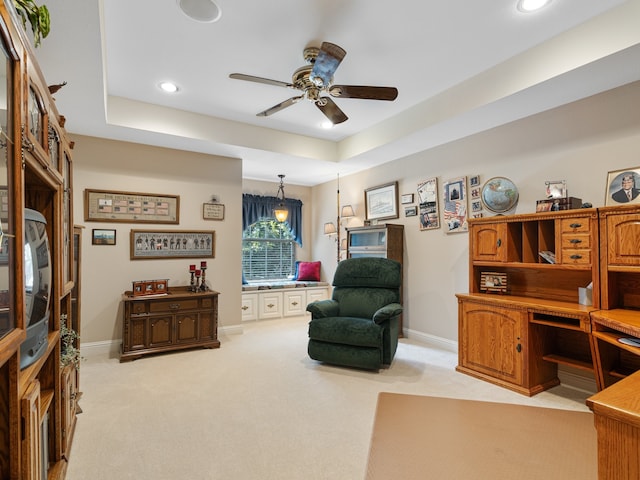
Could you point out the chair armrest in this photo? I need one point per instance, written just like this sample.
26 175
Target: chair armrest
387 312
323 308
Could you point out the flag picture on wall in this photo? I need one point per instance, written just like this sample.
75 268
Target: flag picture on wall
454 214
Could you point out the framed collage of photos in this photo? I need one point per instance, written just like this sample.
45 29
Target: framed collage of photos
428 204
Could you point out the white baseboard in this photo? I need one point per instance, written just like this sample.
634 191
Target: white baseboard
438 342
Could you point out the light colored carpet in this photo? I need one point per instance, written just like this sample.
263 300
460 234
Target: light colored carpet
257 408
418 437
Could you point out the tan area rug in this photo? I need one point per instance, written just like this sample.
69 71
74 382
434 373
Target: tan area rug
421 437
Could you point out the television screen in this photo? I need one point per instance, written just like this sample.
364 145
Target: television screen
37 281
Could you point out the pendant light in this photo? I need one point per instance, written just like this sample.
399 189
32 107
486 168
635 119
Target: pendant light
281 211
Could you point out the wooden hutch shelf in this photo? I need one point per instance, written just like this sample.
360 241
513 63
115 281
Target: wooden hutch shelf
37 407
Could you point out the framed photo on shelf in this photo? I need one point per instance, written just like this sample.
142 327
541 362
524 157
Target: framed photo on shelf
101 236
493 282
623 187
159 244
556 188
381 202
130 207
429 207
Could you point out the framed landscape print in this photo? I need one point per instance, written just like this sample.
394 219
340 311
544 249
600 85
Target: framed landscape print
381 202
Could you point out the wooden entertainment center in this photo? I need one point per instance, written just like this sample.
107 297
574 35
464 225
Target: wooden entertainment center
38 400
517 335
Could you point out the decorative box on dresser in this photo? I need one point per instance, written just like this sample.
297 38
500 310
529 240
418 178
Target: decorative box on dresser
178 320
38 402
384 241
518 338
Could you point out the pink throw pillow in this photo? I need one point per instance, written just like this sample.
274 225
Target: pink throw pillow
309 271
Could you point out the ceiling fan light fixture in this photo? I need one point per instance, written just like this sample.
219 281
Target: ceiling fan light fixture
528 6
203 11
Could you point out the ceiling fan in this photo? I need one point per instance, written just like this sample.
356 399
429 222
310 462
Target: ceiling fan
315 82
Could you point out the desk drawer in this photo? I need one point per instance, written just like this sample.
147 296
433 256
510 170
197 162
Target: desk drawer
576 241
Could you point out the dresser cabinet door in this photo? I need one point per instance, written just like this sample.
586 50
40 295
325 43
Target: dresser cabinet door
623 232
160 329
489 242
294 303
186 328
31 444
492 341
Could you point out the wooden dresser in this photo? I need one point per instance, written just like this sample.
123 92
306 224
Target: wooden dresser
179 320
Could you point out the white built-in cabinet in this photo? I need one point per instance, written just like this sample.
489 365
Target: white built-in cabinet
269 304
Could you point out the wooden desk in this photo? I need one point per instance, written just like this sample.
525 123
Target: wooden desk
617 420
181 319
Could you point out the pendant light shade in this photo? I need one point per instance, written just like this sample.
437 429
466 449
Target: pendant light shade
281 211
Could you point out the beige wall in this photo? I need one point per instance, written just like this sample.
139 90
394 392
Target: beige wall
107 271
579 143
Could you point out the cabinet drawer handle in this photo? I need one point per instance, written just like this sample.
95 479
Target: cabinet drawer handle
575 240
499 242
519 348
575 257
575 225
271 305
294 303
244 307
174 306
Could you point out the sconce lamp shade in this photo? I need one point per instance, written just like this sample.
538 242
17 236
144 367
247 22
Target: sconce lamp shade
347 211
329 228
343 244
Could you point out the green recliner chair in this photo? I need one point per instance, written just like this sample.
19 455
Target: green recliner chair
358 326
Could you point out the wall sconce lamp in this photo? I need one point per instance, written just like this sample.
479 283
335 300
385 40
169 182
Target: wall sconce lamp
281 211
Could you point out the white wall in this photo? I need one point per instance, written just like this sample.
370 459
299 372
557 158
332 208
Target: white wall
579 143
107 271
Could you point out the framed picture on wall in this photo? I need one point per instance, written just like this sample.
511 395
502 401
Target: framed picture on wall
454 213
623 187
429 207
381 202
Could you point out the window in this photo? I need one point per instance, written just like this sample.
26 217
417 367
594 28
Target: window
268 251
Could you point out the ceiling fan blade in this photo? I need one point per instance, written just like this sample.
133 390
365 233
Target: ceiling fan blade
326 63
280 106
331 110
251 78
361 91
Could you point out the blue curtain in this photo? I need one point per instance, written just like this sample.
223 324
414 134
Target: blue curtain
257 207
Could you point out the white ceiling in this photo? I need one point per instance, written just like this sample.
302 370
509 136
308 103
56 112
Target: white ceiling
460 67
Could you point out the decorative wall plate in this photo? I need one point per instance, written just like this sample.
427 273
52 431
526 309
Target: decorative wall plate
499 195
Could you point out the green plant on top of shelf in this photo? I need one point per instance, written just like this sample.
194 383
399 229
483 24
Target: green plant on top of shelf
38 17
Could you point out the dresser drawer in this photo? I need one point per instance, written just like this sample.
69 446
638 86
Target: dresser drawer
575 225
576 257
576 241
173 305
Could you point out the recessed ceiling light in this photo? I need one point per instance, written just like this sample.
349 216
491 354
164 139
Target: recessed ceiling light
205 11
532 5
168 87
326 124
